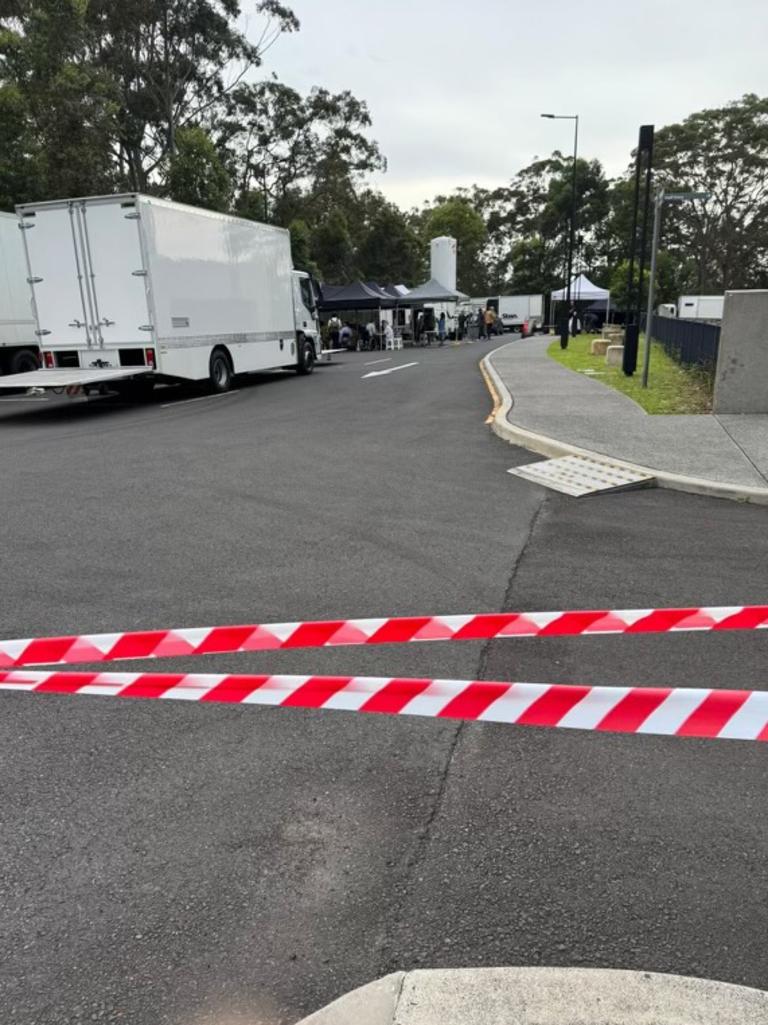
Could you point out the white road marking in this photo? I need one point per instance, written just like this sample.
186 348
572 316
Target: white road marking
375 361
199 398
389 370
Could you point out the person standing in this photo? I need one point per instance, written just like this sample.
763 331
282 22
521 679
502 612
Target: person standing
462 326
389 335
490 320
334 329
480 325
441 328
373 335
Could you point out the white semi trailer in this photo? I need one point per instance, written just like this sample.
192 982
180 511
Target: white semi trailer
18 342
129 290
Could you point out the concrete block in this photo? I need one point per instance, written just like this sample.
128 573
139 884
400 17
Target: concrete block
545 996
741 377
614 355
599 346
374 1004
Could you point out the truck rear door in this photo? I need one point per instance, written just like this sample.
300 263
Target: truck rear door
58 277
117 273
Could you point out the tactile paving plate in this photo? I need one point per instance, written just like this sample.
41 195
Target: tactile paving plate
579 476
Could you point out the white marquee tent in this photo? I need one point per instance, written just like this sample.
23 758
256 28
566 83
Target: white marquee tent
583 290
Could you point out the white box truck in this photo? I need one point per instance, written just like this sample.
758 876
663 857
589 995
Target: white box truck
700 307
514 311
18 341
129 289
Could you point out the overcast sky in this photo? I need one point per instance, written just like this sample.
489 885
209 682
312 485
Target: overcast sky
455 87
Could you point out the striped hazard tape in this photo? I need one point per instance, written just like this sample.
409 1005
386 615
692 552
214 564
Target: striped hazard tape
681 712
113 647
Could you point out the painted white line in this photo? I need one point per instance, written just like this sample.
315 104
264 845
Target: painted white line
199 398
31 399
375 361
389 370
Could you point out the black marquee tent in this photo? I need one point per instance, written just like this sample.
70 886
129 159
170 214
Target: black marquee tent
357 296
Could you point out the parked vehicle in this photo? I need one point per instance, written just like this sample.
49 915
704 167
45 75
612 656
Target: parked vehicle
513 311
129 290
700 307
18 342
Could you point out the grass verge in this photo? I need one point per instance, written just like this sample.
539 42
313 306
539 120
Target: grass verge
671 387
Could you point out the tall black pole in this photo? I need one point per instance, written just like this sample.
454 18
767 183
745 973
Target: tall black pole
571 239
633 243
644 232
632 327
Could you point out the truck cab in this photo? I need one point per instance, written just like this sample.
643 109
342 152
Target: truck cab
305 308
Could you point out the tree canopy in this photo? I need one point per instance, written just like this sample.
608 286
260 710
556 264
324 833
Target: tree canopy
171 97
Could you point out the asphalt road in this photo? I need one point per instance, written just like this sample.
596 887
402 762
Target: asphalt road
168 864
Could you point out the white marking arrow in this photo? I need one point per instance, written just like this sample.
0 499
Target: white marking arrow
390 370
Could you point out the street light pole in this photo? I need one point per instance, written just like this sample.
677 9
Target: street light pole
565 326
661 199
659 204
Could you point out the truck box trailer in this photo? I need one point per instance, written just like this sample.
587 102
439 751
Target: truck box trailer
18 341
700 307
129 289
514 311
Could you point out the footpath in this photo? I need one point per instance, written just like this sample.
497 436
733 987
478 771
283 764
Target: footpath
544 407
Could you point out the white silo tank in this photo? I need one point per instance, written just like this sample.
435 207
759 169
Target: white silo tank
444 261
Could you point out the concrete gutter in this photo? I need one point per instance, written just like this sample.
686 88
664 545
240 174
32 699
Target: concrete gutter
544 996
552 448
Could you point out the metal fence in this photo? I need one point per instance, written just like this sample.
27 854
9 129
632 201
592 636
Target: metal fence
690 342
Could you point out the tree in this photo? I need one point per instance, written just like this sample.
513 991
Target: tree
285 144
98 91
301 248
57 112
175 62
197 174
722 151
389 251
332 248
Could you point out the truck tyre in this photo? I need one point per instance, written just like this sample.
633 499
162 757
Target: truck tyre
220 373
23 361
306 356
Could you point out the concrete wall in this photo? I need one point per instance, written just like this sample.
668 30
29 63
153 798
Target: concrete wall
741 381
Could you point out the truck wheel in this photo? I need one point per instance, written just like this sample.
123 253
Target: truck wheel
23 361
306 359
220 373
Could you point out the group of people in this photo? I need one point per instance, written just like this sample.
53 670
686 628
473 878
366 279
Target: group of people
486 322
427 327
360 337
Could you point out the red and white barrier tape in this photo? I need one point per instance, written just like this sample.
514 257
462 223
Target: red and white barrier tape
681 712
113 647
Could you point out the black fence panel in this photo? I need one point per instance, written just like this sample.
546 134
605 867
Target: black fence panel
690 342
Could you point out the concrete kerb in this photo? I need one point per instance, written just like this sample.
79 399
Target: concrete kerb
552 448
544 996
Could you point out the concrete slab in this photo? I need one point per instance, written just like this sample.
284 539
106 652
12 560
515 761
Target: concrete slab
374 1004
545 996
549 399
750 433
